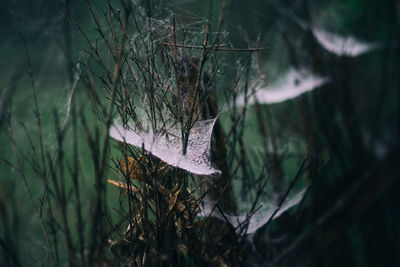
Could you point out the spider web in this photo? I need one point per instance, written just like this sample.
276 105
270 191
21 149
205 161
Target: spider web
166 107
290 85
169 147
269 210
342 45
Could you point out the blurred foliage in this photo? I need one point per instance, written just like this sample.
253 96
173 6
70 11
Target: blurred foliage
348 128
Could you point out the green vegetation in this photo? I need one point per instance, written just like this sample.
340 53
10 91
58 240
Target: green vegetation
199 133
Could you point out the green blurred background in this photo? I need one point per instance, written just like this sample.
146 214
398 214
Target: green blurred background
353 121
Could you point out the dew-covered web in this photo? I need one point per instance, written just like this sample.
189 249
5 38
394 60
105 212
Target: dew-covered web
268 209
161 107
71 90
251 216
289 85
342 45
335 43
169 147
154 122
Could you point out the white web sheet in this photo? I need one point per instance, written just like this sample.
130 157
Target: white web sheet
342 45
71 94
289 86
168 147
261 217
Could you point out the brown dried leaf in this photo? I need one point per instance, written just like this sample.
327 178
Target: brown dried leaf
141 236
180 206
186 215
195 207
219 261
122 185
134 168
163 190
172 199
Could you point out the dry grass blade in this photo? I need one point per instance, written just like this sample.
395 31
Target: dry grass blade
124 186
